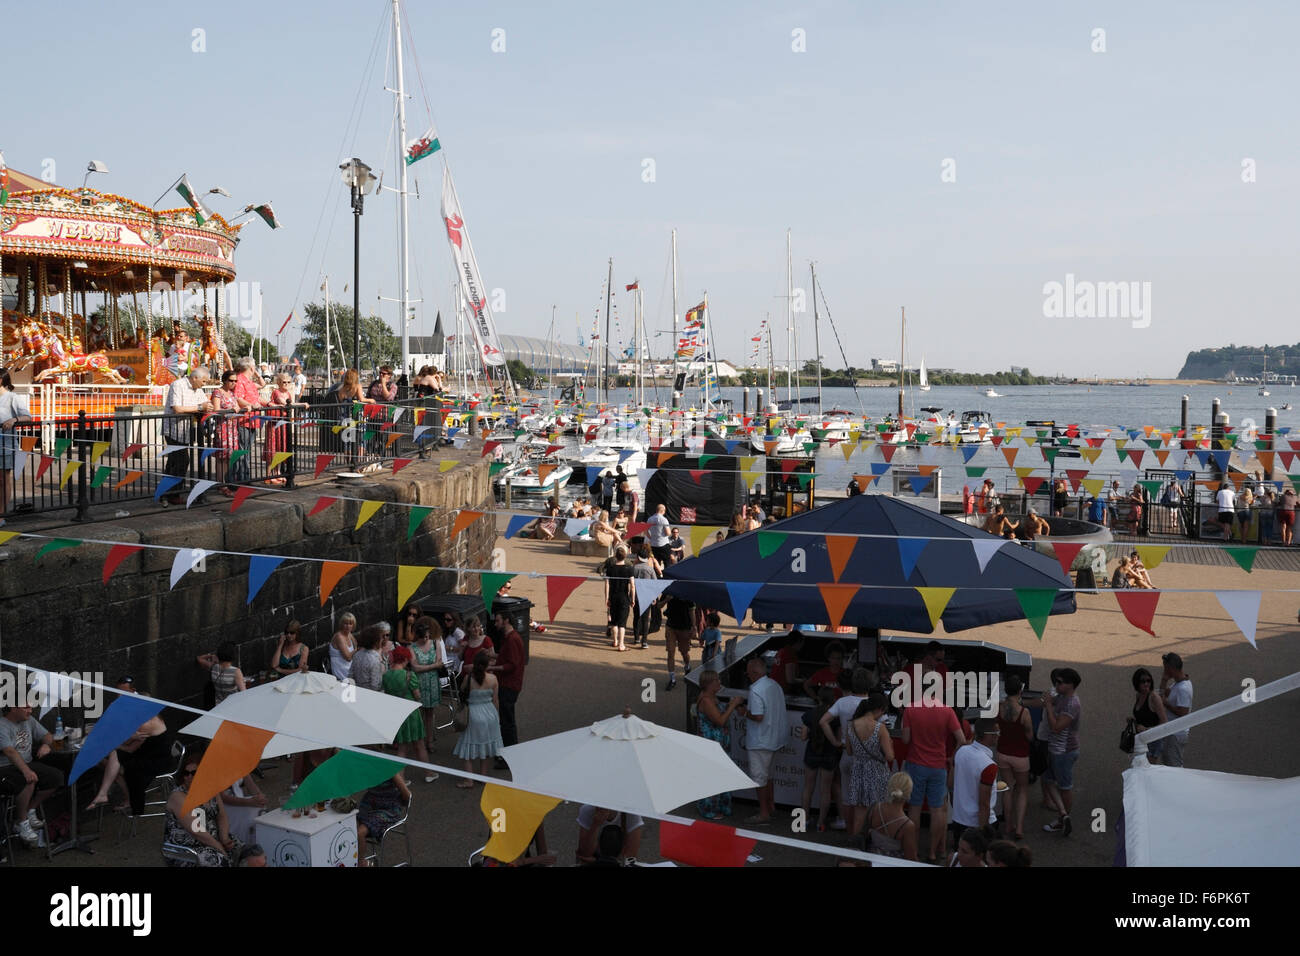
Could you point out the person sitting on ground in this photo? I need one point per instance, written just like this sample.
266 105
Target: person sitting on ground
604 533
1139 571
227 679
548 524
676 545
1122 575
252 855
592 821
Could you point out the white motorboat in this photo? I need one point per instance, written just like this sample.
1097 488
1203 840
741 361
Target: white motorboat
536 476
990 393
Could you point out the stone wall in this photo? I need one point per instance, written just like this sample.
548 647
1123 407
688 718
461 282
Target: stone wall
59 614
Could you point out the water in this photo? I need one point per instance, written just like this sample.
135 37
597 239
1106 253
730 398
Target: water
1089 406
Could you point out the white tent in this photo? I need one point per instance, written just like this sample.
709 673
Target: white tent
1174 816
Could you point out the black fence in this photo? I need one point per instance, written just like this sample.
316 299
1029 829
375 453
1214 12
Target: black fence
86 461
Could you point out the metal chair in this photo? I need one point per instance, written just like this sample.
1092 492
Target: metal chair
377 858
175 853
476 858
7 823
162 784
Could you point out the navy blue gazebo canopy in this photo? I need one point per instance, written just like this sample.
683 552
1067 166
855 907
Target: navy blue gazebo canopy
781 566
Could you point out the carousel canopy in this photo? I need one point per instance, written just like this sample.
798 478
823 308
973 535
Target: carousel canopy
104 240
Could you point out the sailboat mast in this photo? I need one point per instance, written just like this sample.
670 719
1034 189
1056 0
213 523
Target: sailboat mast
902 351
609 292
769 355
329 363
550 359
789 321
674 343
403 262
817 339
636 342
704 368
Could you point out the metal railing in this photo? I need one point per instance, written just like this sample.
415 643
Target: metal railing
120 457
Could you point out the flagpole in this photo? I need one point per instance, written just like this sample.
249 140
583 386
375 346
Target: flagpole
403 224
169 189
329 359
675 343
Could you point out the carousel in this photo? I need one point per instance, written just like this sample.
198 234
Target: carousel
66 254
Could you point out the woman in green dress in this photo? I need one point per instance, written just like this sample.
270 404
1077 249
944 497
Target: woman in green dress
428 662
400 682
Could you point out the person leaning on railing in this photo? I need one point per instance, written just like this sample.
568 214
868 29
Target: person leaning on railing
13 410
248 391
185 398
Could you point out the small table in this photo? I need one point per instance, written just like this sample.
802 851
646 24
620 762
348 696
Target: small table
63 760
328 839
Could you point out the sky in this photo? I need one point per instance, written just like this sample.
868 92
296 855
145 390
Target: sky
951 158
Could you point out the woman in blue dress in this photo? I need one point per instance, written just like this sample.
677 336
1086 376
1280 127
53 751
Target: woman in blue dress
713 726
482 737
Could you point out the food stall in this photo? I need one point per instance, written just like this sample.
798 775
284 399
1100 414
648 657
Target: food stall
887 656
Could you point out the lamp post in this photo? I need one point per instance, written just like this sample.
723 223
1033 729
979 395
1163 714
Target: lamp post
357 177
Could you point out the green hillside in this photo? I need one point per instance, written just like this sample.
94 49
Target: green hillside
1246 361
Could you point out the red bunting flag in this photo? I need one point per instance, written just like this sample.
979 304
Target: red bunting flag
558 589
1032 484
697 474
322 462
1076 475
888 451
1065 554
116 555
46 461
703 844
490 446
322 503
1139 606
331 572
400 463
132 450
241 495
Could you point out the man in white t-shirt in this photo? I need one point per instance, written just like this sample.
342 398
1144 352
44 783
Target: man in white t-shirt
767 732
1227 502
658 534
974 776
1176 689
299 383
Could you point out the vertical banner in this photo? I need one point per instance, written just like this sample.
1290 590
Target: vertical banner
471 282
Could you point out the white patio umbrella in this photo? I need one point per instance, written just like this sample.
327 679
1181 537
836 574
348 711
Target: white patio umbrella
625 763
311 703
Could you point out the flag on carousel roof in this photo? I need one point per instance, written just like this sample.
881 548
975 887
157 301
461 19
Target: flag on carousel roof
201 214
426 145
4 181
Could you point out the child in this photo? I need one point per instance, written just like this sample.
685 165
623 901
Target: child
712 637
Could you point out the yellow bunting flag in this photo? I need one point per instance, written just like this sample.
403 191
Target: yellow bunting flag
1029 440
513 816
278 459
445 466
409 577
1013 432
69 470
837 598
748 461
936 599
1023 473
98 449
1093 485
367 511
699 534
848 448
1152 554
752 476
1119 447
1091 454
464 520
232 755
7 536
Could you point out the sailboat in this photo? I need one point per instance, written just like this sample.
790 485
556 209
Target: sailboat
924 383
1263 379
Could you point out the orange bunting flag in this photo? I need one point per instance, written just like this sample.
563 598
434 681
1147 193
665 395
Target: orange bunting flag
232 755
392 438
1139 606
464 520
544 472
665 456
331 572
128 478
837 598
839 547
1010 455
558 589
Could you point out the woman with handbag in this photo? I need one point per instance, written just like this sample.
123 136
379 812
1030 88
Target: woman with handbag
1148 711
871 753
482 736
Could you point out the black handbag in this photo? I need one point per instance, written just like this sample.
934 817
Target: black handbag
656 618
1127 735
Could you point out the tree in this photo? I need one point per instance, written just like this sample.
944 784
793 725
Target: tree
379 345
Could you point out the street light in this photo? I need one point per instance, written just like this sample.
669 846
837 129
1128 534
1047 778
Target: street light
94 166
357 177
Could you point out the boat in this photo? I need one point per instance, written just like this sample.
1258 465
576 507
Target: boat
525 476
1263 379
990 393
1286 407
923 383
975 428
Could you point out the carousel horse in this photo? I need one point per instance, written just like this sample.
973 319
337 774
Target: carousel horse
40 346
211 348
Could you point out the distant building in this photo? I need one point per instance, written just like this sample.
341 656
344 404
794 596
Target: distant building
884 365
1018 370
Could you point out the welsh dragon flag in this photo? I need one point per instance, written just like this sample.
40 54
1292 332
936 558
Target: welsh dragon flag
426 145
4 181
267 214
201 214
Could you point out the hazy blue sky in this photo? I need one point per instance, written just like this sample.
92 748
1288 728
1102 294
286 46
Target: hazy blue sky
1124 165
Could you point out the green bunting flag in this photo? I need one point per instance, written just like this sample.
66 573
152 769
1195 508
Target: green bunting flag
769 542
1243 556
490 582
416 519
342 775
58 544
1037 605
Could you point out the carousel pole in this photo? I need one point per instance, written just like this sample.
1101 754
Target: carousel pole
68 305
2 309
42 292
148 328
